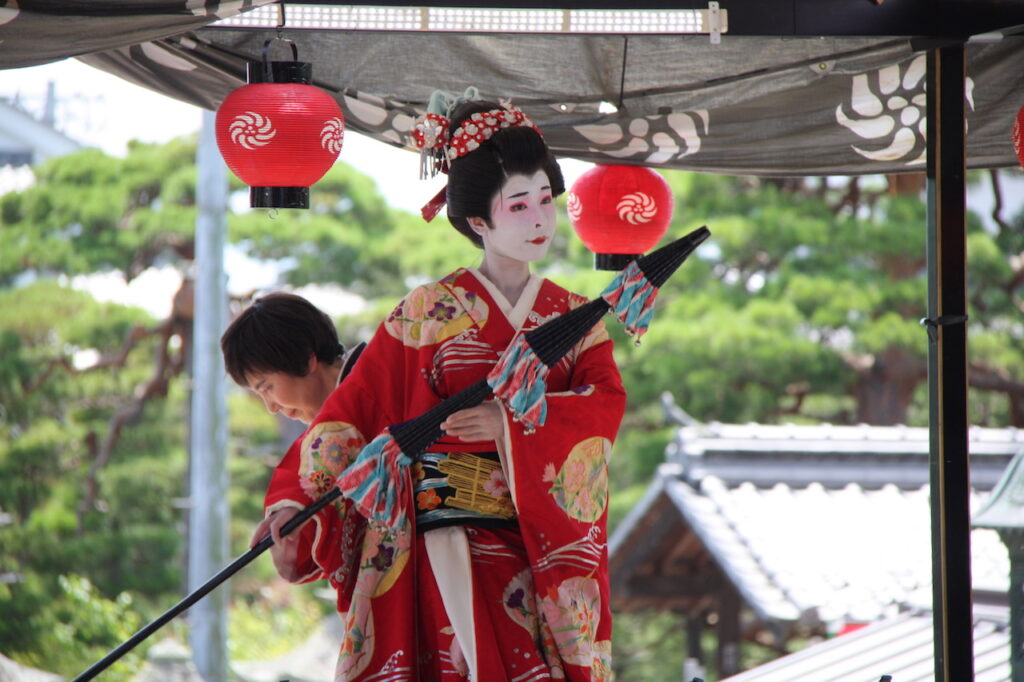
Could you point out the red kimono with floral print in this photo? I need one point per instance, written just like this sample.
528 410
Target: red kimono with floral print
523 603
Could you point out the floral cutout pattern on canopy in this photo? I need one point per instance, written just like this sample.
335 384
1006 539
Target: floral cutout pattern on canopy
890 105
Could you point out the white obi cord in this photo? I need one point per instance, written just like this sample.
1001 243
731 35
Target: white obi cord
448 552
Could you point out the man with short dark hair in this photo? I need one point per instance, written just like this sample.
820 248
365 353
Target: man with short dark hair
286 350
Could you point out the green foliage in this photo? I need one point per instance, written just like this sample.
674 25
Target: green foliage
351 237
124 549
67 625
648 647
773 319
791 302
89 212
264 629
651 646
624 499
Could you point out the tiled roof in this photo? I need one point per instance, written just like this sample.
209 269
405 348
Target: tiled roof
871 456
819 538
901 646
852 554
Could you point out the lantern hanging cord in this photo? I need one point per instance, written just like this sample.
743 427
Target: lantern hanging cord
281 19
268 74
622 74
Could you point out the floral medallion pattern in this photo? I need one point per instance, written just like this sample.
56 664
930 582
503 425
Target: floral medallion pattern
572 611
431 314
385 554
580 487
327 449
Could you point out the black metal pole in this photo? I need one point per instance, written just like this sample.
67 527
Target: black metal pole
204 589
947 365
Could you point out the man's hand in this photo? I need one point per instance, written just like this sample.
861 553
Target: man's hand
285 549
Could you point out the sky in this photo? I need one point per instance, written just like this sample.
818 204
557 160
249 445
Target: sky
101 110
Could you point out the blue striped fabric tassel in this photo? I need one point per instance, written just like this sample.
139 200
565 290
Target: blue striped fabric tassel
631 297
518 380
378 481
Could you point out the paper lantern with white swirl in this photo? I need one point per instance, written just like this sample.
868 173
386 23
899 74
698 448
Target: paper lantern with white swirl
279 134
620 212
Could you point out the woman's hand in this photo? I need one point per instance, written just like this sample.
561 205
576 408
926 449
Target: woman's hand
481 423
285 549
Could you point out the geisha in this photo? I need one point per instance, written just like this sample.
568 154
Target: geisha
498 571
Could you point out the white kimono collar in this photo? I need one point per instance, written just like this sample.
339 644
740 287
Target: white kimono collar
516 314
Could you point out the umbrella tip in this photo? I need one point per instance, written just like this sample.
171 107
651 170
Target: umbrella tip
699 235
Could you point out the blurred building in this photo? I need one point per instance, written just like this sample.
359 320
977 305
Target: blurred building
26 139
772 534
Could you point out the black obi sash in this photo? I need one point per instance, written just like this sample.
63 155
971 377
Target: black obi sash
461 489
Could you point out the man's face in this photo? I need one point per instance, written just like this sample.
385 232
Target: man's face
285 393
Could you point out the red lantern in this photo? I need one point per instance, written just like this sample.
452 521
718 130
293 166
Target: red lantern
619 212
279 134
1018 136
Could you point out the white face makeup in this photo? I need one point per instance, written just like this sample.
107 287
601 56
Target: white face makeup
523 219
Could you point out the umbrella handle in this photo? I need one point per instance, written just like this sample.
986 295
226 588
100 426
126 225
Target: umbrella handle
207 587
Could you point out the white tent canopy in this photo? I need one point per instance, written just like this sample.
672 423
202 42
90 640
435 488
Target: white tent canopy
768 103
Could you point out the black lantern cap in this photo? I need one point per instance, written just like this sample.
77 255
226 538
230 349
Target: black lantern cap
279 72
279 197
613 261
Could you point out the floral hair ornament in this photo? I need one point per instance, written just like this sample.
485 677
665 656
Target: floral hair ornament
430 131
438 150
479 128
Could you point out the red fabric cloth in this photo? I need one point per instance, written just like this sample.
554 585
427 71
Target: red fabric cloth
540 598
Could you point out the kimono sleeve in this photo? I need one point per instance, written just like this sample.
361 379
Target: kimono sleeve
361 406
558 476
566 459
285 491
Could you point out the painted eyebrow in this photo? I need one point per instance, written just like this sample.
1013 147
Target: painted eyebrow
523 194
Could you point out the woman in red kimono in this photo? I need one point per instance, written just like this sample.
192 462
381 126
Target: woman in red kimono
498 571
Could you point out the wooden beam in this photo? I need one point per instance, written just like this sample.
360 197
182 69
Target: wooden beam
728 626
641 543
694 631
676 588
